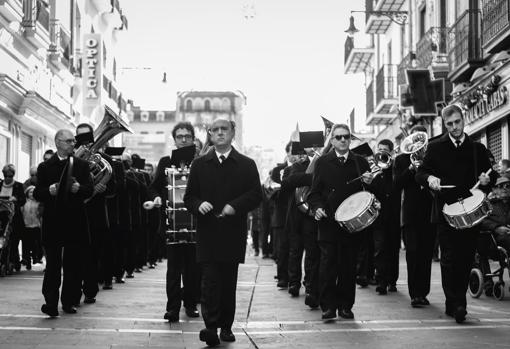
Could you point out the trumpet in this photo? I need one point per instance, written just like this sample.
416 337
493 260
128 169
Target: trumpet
416 145
382 161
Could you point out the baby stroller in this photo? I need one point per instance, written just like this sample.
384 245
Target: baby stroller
481 277
6 215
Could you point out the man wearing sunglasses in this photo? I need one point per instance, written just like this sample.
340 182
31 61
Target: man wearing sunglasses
223 187
331 185
181 258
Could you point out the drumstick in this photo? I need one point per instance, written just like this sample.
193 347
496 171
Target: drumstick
448 186
478 183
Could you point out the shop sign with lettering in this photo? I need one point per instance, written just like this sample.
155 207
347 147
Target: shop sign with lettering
92 69
485 106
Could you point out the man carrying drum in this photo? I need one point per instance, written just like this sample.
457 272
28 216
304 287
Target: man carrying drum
333 183
452 165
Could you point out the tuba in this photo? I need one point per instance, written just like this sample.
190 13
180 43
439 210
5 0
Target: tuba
110 126
416 145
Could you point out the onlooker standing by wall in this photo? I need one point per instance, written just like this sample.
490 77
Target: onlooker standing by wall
32 244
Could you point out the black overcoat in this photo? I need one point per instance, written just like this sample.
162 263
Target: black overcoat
64 222
330 189
235 182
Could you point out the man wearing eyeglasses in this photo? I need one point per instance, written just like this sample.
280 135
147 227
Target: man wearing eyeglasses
63 183
181 258
331 185
223 187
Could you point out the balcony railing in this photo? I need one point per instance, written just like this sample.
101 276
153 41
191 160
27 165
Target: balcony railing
464 45
348 46
496 19
386 83
370 98
432 47
406 63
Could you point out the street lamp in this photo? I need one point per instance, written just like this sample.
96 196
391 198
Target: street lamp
398 17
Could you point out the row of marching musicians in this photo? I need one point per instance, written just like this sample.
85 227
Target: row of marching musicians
349 216
94 227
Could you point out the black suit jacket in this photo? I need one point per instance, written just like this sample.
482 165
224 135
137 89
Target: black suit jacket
417 202
235 182
330 189
63 222
454 166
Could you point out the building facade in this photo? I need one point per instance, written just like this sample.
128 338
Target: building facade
201 108
152 133
43 75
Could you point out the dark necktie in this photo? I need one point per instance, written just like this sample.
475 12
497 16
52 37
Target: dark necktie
222 158
457 143
341 159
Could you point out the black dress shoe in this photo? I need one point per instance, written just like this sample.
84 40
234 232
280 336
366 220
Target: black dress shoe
329 314
416 302
362 281
346 314
449 312
381 289
138 270
120 280
311 301
69 309
192 312
392 288
50 311
152 266
129 276
294 291
89 300
227 335
209 336
372 281
282 284
424 301
108 286
171 316
460 314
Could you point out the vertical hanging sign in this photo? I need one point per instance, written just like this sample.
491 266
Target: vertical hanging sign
92 70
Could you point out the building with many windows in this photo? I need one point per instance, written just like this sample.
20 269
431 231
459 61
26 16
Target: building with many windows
58 69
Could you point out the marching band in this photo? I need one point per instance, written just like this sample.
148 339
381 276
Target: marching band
346 212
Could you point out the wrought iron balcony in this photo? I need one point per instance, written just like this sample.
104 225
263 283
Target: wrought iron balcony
386 83
356 60
370 99
375 22
60 45
406 63
464 46
36 22
431 49
496 24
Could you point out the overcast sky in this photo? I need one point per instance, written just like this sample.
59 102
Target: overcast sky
287 59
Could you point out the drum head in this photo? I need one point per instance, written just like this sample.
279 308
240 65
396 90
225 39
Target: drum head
467 205
353 206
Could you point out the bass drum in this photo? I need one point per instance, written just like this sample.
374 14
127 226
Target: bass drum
358 211
468 212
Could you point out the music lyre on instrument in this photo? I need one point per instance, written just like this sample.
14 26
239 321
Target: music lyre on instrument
180 222
468 212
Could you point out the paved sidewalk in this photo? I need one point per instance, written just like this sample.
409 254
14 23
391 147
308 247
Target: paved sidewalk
130 316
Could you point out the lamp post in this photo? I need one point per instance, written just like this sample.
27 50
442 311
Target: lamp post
398 17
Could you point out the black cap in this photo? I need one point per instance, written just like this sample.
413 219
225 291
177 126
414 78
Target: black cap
363 150
139 163
114 151
84 138
311 139
183 155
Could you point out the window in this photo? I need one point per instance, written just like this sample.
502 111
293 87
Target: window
4 152
160 116
207 105
144 132
494 140
423 13
144 116
189 105
160 132
25 157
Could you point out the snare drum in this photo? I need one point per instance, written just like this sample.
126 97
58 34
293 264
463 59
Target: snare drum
358 211
468 212
180 223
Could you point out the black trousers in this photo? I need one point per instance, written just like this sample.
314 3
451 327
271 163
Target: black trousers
337 275
366 268
119 247
386 253
312 261
219 283
282 263
181 263
457 256
302 231
32 244
256 240
420 240
60 257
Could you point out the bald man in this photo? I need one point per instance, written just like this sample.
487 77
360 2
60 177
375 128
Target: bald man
63 183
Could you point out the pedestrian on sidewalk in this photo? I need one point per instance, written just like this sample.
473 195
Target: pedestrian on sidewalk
32 244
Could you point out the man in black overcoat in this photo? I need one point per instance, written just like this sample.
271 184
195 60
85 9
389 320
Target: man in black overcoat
181 258
454 159
223 187
419 232
63 183
339 248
